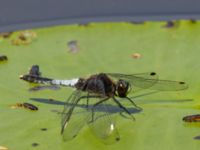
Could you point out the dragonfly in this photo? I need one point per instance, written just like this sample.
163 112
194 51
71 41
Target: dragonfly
95 93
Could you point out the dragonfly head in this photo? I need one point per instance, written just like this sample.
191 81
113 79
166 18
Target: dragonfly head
122 88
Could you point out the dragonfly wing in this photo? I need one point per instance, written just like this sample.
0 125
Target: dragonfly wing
142 80
102 124
74 115
168 85
150 80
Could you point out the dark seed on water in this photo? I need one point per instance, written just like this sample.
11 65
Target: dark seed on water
3 58
25 105
35 144
43 129
117 139
192 118
30 106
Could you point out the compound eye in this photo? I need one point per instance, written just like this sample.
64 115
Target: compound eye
122 88
121 85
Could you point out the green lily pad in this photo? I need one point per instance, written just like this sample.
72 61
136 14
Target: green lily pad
172 52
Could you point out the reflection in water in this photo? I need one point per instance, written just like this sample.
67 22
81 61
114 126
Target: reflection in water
111 108
192 124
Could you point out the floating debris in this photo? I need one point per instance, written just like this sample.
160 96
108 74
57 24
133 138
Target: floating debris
169 24
193 21
50 87
73 46
24 38
35 144
5 34
3 58
197 137
43 129
192 118
136 55
25 105
30 106
3 148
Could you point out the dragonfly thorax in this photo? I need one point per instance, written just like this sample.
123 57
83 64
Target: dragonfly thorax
99 84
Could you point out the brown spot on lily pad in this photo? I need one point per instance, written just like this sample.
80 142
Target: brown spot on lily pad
3 148
136 55
24 38
5 34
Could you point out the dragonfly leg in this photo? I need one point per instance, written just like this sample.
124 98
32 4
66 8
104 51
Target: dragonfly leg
87 98
133 103
96 104
87 103
71 110
124 108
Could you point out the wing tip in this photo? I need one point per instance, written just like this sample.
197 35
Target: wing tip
185 85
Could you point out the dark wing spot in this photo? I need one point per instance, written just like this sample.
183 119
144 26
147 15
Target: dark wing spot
152 73
43 129
74 135
35 144
182 82
117 139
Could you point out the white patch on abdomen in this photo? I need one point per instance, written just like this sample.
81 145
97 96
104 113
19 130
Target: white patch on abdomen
71 82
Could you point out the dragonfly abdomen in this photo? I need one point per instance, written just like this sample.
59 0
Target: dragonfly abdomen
70 83
42 80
